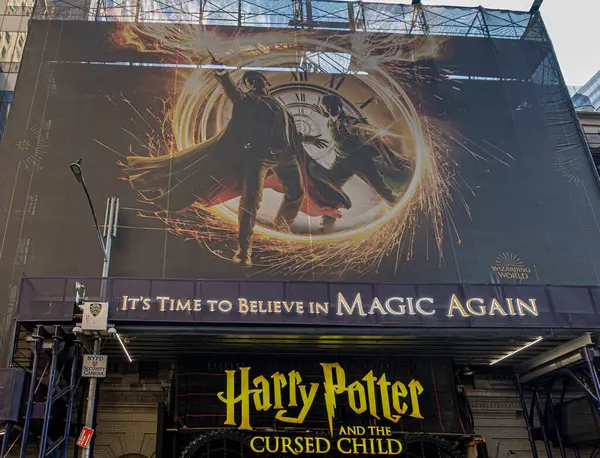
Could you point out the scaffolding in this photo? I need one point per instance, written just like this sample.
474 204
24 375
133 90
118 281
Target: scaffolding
51 394
414 19
554 372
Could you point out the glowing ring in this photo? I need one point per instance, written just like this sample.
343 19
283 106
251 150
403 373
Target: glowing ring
191 102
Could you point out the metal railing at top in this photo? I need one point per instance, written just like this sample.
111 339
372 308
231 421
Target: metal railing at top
293 14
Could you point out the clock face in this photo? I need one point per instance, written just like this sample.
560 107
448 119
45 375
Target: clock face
300 97
376 152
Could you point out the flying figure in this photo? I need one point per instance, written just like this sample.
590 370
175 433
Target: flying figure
360 151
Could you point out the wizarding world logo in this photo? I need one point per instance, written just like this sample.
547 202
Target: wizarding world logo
510 267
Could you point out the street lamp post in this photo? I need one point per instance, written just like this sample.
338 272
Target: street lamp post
106 239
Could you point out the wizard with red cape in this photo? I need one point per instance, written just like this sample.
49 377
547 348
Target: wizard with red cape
260 147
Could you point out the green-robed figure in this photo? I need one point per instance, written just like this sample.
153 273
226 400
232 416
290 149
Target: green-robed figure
360 150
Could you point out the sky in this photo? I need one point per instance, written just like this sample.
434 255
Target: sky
573 25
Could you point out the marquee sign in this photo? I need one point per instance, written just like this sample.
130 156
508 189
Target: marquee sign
352 440
199 302
336 401
291 398
372 395
355 307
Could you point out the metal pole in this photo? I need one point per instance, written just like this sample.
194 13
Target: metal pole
5 440
110 232
72 389
550 404
32 384
91 402
538 408
588 354
49 397
534 452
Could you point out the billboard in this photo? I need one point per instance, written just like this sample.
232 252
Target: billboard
281 154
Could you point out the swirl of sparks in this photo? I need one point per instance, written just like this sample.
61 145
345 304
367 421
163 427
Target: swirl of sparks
200 91
188 122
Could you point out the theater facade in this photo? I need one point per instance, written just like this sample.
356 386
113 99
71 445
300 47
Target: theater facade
330 229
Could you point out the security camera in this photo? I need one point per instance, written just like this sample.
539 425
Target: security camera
80 293
112 332
77 330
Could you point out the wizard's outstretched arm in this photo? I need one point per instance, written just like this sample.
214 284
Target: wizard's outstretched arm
232 91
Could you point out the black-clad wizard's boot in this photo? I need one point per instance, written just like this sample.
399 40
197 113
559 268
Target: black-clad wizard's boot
243 257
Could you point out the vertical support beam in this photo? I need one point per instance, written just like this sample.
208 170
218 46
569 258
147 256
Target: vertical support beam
550 407
363 16
49 396
160 430
528 425
239 21
110 232
72 389
4 448
32 384
309 13
92 400
538 408
351 16
80 405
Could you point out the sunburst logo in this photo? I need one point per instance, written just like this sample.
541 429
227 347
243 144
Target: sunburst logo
510 266
508 260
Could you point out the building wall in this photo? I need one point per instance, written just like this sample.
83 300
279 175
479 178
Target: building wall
590 122
591 90
14 21
127 414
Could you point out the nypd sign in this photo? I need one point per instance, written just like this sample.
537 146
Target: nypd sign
94 366
95 316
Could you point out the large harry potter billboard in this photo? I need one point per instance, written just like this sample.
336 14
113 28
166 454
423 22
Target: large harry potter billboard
296 154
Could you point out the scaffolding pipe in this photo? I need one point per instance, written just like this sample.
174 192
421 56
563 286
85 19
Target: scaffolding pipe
527 424
550 406
32 388
538 407
72 389
49 397
5 440
588 355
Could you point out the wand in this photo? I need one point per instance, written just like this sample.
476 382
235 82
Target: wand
214 59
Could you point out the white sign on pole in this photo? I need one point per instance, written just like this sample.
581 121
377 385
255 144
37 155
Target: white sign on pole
94 366
95 316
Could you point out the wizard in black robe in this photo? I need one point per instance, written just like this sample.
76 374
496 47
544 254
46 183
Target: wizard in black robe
260 147
361 151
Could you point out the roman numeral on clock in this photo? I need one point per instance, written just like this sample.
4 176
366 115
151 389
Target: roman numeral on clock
340 80
300 75
367 103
